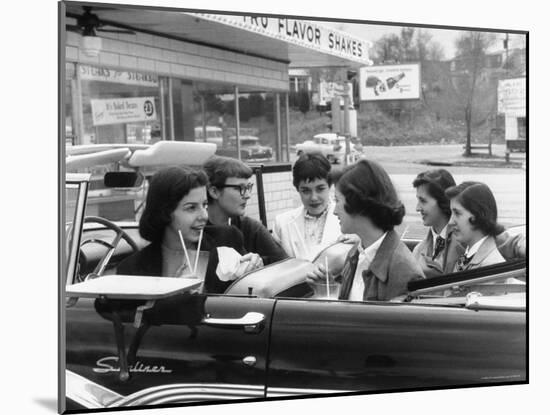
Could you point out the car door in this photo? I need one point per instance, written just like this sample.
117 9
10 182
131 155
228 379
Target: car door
325 346
190 347
205 352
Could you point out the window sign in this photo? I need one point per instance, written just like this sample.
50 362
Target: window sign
123 110
103 74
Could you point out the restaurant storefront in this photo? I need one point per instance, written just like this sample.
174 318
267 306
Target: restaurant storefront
164 75
147 75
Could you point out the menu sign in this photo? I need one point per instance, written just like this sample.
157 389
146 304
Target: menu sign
123 110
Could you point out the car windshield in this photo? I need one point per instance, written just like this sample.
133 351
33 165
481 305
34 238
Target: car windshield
249 141
214 134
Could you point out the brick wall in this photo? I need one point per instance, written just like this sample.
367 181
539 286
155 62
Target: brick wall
280 196
168 57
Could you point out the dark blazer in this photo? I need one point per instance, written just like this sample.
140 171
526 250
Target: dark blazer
148 261
423 253
257 239
391 269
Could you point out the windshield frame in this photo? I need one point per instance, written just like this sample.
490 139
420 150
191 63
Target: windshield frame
73 237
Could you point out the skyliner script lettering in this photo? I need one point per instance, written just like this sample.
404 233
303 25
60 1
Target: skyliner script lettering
110 364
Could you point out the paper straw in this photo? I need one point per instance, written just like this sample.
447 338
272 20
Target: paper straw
326 273
184 249
198 252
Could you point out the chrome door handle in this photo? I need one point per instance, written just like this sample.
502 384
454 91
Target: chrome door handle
250 321
249 361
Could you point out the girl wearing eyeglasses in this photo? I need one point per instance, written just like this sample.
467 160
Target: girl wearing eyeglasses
229 190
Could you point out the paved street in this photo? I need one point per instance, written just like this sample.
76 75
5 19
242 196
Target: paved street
509 191
508 181
509 184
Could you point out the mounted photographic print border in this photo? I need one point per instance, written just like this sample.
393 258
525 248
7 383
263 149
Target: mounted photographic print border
87 364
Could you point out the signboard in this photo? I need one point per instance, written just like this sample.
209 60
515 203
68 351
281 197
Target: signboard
101 73
377 83
304 33
329 90
122 110
511 97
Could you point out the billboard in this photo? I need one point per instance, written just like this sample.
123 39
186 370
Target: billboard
512 97
385 82
329 90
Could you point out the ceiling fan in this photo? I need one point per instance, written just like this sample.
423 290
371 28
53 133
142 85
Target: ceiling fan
88 24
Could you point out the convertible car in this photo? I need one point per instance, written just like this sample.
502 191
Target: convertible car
141 341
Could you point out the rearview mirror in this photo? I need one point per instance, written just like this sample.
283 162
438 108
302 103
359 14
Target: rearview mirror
123 179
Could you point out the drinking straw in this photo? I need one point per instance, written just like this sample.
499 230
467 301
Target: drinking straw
198 252
184 248
327 280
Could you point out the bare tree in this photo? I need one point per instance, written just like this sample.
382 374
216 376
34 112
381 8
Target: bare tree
410 45
435 51
388 48
469 65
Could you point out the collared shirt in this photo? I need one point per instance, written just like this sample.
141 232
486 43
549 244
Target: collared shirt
313 227
471 251
363 263
443 234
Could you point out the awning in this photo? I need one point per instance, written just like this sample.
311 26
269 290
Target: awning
300 43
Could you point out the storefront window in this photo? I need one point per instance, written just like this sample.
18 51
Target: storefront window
119 107
69 89
216 122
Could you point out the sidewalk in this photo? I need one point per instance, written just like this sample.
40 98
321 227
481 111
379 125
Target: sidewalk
410 159
479 158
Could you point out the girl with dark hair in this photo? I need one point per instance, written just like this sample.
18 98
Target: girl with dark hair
474 217
379 266
174 221
438 252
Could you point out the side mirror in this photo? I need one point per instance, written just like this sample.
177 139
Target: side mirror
123 179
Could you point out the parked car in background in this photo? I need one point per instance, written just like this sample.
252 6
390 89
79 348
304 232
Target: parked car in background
331 145
213 135
251 149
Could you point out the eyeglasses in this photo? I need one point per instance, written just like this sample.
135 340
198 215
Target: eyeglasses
243 188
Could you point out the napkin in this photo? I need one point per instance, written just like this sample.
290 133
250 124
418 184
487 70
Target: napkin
229 266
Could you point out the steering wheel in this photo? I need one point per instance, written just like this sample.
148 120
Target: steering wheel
111 247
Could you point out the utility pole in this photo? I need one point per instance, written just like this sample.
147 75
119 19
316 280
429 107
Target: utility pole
346 122
506 51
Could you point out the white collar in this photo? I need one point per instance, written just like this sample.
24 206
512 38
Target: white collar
307 215
471 251
370 251
443 232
